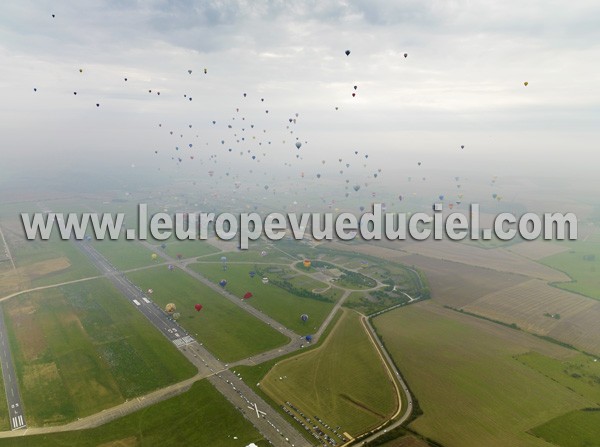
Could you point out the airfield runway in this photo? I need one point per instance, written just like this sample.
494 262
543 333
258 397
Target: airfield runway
270 423
13 397
161 320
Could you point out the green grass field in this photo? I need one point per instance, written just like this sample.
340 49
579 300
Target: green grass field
472 390
367 303
574 429
343 382
579 373
29 254
81 348
199 417
585 273
4 416
124 254
226 330
272 256
274 301
189 249
347 279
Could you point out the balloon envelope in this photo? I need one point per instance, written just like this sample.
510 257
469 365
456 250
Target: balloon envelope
170 308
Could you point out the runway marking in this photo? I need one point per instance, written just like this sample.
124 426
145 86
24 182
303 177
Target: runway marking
179 342
17 422
137 303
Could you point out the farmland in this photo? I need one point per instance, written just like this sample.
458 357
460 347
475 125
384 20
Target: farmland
245 335
477 393
495 259
580 373
274 301
317 382
538 249
45 262
200 416
529 304
582 263
456 284
79 349
574 429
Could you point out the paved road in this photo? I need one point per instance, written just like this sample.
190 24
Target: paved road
11 386
400 382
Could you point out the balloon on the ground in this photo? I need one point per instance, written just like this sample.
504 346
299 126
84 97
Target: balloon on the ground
170 308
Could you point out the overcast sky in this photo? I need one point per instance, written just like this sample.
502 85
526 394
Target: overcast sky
461 84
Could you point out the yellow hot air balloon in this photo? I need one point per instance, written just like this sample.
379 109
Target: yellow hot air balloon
525 83
154 256
306 263
170 308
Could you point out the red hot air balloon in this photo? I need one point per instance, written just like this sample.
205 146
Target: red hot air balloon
247 295
198 307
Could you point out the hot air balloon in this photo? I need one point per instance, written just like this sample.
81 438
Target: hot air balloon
405 55
306 263
170 308
150 291
171 267
525 83
308 338
304 317
347 52
154 256
248 295
198 307
223 282
252 274
298 145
